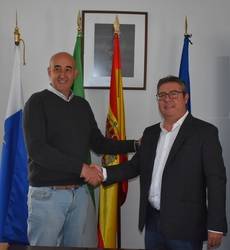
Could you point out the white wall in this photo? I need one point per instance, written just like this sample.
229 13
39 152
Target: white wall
49 26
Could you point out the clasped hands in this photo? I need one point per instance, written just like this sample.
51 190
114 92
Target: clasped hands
92 174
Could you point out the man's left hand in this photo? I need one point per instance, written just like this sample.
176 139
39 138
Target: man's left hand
214 239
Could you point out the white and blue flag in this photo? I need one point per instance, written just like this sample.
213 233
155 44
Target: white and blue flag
13 166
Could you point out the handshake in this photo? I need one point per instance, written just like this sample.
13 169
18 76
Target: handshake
92 174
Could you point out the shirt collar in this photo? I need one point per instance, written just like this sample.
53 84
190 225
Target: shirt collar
58 93
176 124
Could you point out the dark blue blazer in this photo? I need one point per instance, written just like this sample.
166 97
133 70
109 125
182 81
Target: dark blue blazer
193 191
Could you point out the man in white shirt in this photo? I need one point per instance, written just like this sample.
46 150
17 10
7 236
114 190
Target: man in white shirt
179 162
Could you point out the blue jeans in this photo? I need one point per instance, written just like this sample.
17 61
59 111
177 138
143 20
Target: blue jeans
57 217
156 240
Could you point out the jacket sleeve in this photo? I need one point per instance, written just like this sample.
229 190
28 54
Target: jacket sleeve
215 174
124 171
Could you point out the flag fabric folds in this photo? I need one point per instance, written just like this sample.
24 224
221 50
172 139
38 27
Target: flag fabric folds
13 168
184 68
109 198
90 235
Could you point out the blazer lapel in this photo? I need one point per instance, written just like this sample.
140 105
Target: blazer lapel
151 150
184 132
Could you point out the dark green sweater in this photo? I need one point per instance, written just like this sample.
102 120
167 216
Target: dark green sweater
59 135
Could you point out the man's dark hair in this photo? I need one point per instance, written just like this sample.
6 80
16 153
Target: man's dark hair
171 78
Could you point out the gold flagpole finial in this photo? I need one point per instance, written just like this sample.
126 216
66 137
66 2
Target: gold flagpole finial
186 27
116 25
79 22
18 39
16 32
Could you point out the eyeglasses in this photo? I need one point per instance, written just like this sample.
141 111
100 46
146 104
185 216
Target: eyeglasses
173 94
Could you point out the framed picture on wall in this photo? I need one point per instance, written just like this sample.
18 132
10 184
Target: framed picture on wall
98 48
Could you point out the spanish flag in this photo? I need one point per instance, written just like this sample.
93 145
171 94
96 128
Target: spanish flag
112 197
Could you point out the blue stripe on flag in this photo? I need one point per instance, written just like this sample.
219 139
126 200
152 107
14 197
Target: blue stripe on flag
13 183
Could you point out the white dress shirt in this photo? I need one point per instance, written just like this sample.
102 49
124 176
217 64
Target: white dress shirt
58 93
164 146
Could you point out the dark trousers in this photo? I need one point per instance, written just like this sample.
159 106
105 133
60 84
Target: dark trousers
156 240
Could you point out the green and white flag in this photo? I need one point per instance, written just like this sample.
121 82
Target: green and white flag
77 54
90 233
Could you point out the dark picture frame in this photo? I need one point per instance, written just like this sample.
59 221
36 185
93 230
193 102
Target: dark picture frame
98 48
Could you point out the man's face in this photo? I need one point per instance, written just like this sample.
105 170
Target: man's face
172 101
62 72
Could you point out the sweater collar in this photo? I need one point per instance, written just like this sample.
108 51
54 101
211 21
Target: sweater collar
58 93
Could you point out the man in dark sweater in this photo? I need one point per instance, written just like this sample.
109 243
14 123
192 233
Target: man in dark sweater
60 129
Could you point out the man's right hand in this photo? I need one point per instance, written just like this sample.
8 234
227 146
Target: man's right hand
92 174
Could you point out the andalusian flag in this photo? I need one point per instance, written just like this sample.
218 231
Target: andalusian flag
78 82
109 200
90 235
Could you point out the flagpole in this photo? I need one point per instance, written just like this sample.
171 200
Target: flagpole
116 26
186 34
18 39
79 22
186 26
184 64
